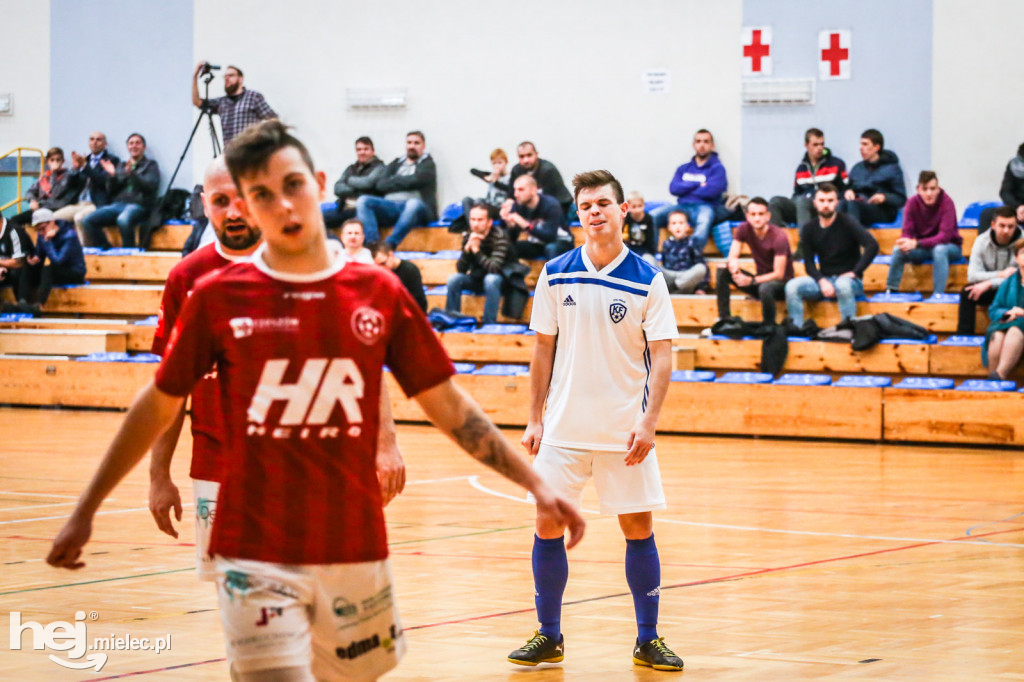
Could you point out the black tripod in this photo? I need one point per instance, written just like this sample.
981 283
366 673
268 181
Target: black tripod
205 111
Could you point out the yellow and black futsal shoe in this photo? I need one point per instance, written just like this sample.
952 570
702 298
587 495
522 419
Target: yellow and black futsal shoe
656 654
539 649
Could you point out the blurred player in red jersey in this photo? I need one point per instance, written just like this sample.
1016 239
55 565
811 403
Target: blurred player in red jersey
236 241
299 337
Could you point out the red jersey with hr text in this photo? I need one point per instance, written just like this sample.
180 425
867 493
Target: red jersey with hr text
208 434
300 360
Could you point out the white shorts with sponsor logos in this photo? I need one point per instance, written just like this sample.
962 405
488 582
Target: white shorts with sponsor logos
204 493
621 489
341 619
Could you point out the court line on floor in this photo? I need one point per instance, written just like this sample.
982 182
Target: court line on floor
67 516
475 482
20 494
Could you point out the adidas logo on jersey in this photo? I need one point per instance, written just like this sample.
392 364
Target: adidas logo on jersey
568 300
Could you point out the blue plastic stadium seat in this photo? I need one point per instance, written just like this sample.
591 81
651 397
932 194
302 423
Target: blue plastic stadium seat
451 211
144 357
972 341
744 378
150 321
986 385
943 297
502 329
465 367
972 214
926 383
104 357
692 376
882 260
15 317
862 381
413 255
503 370
654 205
441 290
121 252
897 297
932 338
896 224
803 380
328 205
448 254
92 250
175 221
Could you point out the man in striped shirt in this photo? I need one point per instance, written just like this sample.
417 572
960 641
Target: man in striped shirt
239 108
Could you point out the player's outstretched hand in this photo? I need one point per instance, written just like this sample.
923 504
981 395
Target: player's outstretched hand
561 511
390 473
641 440
531 437
164 496
67 547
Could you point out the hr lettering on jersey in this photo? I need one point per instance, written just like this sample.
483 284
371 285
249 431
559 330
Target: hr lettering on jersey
309 402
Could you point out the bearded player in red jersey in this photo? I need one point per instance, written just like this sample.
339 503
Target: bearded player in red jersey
236 241
299 338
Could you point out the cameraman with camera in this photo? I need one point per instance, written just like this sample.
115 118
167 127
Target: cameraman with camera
239 108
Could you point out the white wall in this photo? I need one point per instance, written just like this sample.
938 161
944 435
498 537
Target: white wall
978 95
482 74
26 73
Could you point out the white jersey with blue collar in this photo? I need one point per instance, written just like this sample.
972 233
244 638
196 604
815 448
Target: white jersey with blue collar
604 320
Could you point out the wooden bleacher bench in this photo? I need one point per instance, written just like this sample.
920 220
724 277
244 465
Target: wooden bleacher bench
101 299
62 341
139 336
147 266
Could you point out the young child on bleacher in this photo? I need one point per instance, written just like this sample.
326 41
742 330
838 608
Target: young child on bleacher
684 265
638 231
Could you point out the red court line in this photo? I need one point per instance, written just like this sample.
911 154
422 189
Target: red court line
707 581
617 562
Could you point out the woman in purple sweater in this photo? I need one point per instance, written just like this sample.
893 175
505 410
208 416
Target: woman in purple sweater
929 233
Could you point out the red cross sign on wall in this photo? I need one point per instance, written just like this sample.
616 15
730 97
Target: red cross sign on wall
757 50
834 54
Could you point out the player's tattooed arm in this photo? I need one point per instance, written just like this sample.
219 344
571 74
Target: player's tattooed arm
458 416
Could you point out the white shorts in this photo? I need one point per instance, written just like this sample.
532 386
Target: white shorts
341 619
204 493
621 489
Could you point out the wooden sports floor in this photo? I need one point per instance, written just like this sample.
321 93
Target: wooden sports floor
780 561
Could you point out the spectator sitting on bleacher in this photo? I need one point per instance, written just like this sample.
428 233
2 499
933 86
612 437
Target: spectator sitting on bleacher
409 189
1011 191
407 272
54 189
1004 339
58 260
358 179
682 261
773 262
699 187
499 184
352 240
990 264
877 191
15 246
536 223
549 180
133 186
817 166
638 230
486 249
87 172
844 250
929 232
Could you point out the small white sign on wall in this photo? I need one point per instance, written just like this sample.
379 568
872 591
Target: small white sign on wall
657 80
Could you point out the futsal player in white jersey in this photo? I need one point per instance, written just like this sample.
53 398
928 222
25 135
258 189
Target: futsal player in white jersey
602 363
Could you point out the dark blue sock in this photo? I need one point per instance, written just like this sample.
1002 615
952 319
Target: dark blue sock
643 574
550 573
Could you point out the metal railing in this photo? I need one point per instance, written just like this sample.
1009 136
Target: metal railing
42 167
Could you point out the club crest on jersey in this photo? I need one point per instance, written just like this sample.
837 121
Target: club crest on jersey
368 325
617 310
